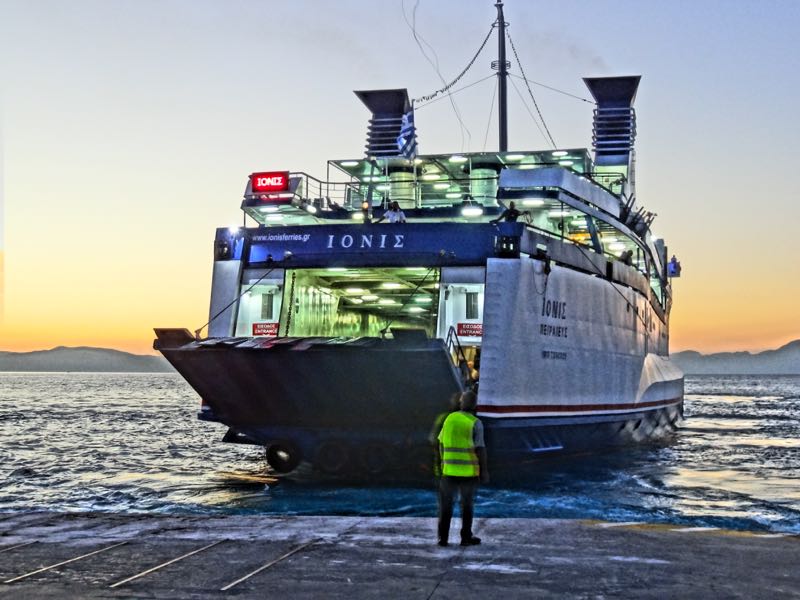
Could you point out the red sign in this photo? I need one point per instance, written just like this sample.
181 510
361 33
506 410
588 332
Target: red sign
270 329
470 329
270 182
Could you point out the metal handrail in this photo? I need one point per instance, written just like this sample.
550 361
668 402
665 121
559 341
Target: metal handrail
458 356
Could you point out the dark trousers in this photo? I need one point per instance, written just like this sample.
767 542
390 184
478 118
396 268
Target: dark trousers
466 487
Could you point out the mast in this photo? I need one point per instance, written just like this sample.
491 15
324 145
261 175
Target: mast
502 74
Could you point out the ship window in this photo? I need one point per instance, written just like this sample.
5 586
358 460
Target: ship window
472 310
267 305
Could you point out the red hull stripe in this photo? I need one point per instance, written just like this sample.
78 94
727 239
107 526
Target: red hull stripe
572 408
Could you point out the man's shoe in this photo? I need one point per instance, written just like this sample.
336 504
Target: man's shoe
443 543
472 541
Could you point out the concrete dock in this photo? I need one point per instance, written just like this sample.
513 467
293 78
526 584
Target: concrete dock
92 555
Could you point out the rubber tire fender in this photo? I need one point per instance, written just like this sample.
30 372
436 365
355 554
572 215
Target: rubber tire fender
283 456
332 457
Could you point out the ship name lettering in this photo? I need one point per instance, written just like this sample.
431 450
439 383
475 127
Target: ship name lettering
554 309
366 241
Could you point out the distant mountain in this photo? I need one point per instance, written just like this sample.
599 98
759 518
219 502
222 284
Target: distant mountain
83 359
783 361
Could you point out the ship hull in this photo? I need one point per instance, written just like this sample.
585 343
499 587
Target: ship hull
368 409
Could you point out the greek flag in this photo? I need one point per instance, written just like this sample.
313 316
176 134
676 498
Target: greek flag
407 140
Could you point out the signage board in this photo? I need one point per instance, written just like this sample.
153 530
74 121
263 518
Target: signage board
270 182
469 329
268 329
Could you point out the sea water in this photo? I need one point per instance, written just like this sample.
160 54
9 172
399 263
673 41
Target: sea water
131 443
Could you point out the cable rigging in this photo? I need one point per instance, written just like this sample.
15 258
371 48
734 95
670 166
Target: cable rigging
535 104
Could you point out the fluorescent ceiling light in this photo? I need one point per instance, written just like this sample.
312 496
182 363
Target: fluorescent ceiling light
274 217
268 209
415 309
528 166
349 163
311 208
386 301
441 186
533 202
356 300
423 299
560 153
457 159
617 246
453 195
431 176
471 211
233 230
515 156
355 290
558 213
383 187
566 163
391 285
357 216
369 297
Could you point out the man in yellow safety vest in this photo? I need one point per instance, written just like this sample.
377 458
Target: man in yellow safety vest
463 459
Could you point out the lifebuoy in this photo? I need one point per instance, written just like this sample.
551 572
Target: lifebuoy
332 457
283 457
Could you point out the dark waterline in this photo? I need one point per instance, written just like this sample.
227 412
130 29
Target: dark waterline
131 443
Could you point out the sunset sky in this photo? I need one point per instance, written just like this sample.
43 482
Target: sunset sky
129 128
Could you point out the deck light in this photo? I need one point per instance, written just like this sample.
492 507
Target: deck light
310 208
472 210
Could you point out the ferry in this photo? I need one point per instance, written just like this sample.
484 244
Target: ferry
352 310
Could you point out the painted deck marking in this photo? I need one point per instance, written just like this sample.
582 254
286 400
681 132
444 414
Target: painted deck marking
268 565
162 565
65 562
693 529
624 524
17 546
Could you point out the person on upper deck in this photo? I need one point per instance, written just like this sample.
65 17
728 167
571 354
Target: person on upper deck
393 214
509 215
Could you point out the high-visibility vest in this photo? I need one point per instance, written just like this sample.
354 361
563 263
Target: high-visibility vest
459 458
